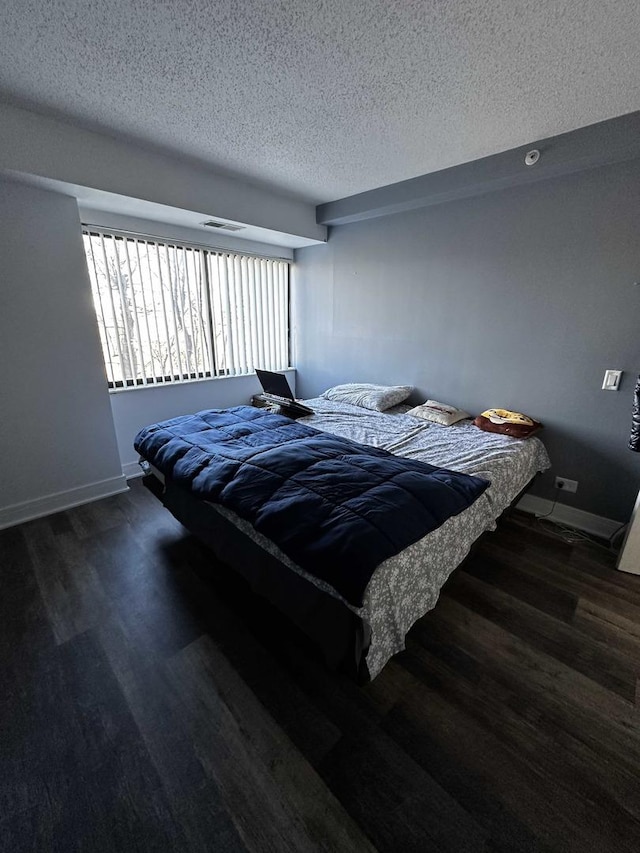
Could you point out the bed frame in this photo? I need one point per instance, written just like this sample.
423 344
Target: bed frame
341 637
337 632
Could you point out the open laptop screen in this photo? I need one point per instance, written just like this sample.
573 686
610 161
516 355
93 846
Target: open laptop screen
274 383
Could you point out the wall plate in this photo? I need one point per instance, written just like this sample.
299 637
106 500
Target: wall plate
611 380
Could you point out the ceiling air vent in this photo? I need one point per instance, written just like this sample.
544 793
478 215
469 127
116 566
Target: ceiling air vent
222 226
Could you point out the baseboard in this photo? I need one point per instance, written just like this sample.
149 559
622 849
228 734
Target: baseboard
131 470
597 525
59 501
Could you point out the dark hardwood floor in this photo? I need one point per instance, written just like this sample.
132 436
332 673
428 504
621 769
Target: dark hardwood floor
149 703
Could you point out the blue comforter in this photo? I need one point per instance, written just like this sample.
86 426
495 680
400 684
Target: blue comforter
336 508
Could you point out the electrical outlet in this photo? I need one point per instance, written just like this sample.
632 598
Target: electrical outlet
566 485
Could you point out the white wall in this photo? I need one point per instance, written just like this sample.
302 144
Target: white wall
139 407
56 430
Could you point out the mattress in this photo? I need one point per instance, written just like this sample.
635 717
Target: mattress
406 586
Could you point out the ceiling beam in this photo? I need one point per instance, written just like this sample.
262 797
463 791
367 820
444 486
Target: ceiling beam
599 144
37 145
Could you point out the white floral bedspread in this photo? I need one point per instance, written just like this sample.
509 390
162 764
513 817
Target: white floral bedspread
405 587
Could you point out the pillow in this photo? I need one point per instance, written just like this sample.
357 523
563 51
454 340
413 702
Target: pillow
376 397
505 422
439 413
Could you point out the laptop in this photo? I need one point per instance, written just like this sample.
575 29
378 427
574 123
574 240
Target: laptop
277 389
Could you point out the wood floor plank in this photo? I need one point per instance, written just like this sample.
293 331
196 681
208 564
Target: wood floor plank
548 780
194 799
365 754
540 684
567 582
24 625
150 702
404 806
595 659
300 718
145 590
612 628
589 564
591 575
273 795
476 767
194 590
92 518
73 760
536 591
69 587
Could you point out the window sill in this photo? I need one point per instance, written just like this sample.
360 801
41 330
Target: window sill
159 385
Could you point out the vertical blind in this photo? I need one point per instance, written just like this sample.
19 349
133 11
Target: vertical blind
171 313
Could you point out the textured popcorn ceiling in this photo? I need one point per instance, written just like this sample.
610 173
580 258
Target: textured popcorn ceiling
324 98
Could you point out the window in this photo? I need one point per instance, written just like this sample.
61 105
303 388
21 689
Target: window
172 313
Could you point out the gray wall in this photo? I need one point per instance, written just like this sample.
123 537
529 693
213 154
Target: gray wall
518 299
56 430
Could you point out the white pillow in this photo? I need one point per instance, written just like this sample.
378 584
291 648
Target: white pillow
376 397
439 413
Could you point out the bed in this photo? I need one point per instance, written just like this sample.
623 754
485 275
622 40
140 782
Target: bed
403 587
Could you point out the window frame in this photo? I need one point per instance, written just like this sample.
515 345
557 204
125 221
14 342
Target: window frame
204 250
